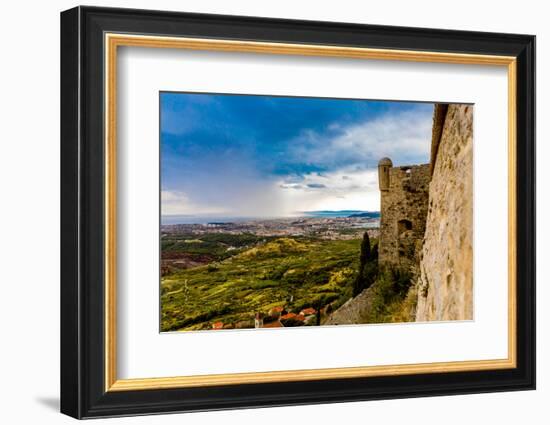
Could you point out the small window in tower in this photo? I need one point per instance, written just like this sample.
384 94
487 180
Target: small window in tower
404 225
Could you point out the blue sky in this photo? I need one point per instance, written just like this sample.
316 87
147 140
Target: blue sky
242 155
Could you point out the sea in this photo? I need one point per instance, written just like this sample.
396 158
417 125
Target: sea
205 219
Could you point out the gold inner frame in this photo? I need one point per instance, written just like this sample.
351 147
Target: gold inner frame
113 41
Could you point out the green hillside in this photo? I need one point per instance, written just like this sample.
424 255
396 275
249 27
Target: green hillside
294 272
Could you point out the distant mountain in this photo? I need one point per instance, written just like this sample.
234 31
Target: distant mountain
334 212
366 214
342 213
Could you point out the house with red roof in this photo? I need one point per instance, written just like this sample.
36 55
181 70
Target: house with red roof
292 319
277 311
308 311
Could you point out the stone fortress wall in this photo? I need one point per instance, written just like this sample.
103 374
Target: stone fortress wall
445 284
427 218
403 211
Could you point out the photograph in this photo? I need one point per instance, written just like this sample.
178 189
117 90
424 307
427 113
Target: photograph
280 211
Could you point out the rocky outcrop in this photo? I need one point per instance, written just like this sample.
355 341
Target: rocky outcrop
353 311
445 287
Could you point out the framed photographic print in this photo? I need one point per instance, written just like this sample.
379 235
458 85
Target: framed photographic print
261 212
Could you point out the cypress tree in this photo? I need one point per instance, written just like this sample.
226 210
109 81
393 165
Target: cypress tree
368 266
365 250
374 252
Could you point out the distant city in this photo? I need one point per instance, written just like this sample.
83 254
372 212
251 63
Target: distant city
333 225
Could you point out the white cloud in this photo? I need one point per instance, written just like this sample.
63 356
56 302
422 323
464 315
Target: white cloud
405 137
348 188
178 203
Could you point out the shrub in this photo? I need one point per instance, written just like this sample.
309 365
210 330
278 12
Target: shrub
389 296
212 267
368 266
405 311
276 273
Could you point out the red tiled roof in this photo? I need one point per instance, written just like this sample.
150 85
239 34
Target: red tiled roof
308 311
217 325
293 316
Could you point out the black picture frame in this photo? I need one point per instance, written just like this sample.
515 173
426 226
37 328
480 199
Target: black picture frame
83 392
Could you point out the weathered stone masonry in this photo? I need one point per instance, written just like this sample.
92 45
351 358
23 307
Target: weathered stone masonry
403 210
445 284
427 218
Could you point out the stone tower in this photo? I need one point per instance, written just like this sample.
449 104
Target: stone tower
403 211
384 166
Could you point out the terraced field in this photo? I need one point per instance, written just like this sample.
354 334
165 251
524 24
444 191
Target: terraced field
292 272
